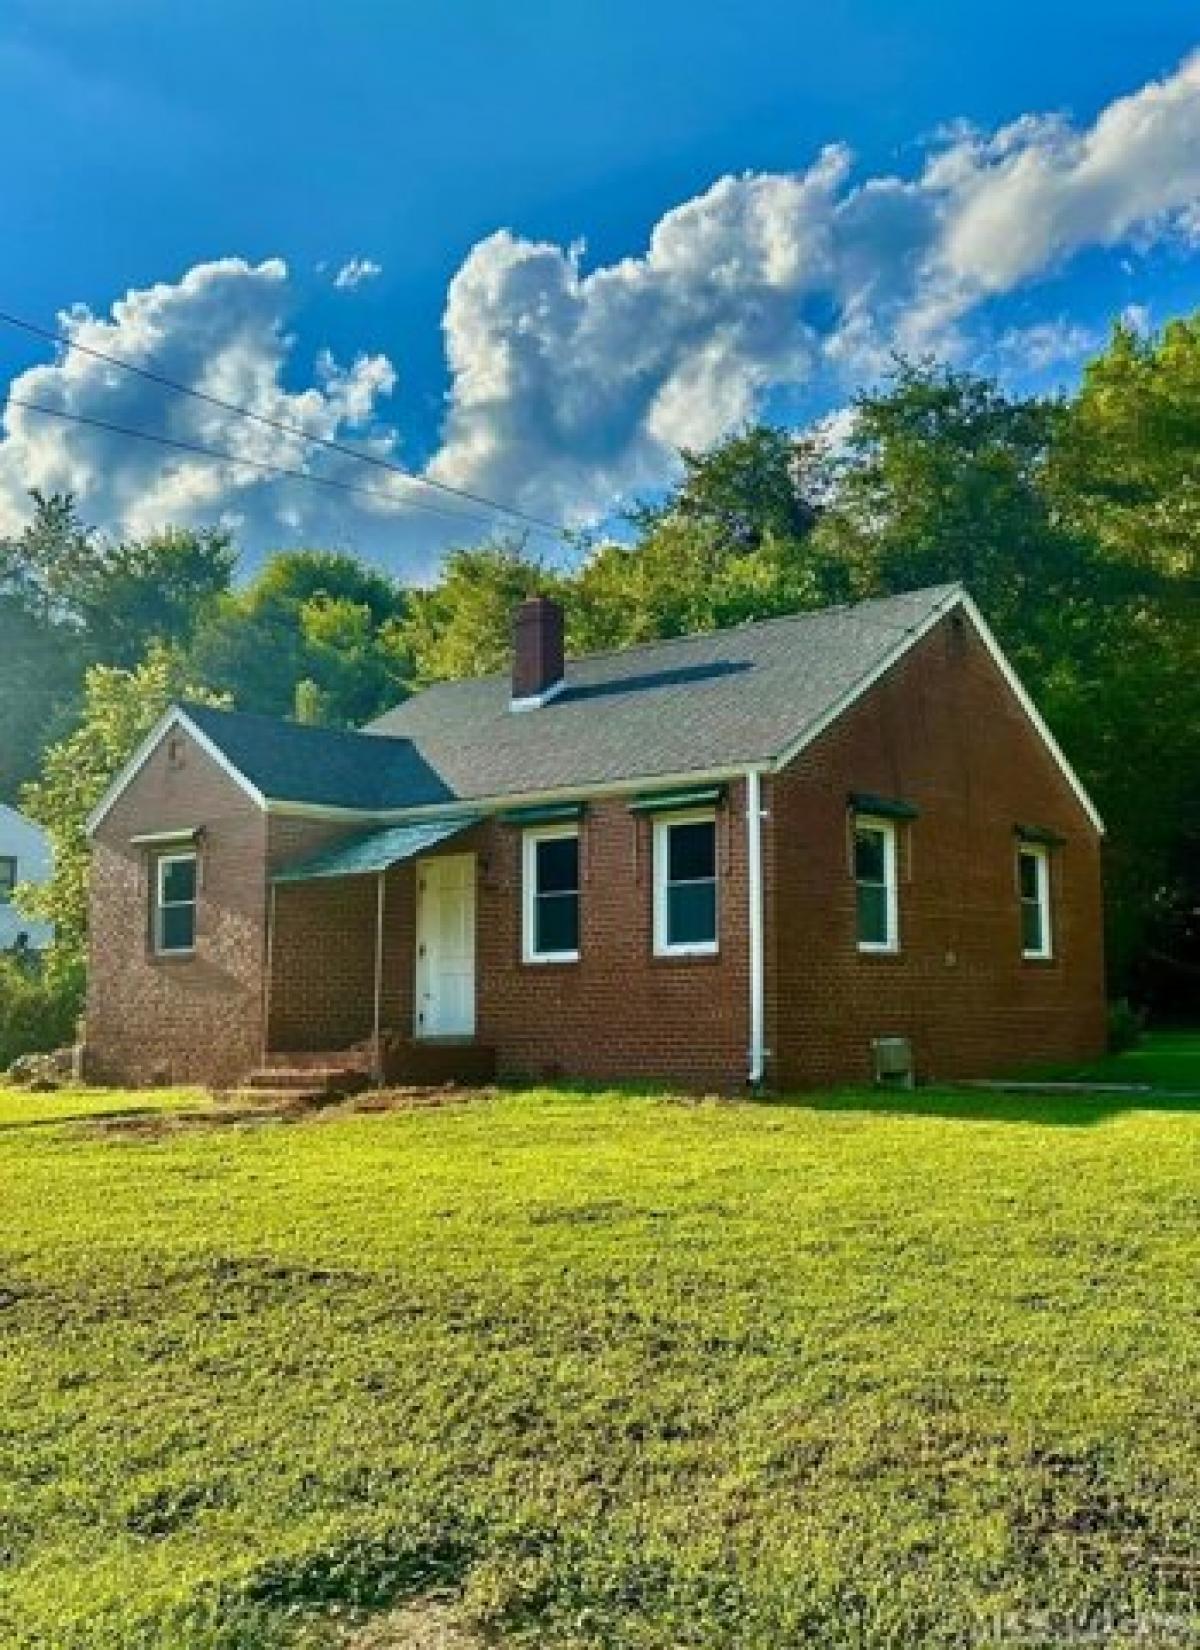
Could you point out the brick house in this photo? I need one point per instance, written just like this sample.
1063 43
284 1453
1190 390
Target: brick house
778 854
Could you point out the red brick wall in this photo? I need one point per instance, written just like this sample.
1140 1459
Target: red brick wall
196 1018
943 732
940 731
619 1012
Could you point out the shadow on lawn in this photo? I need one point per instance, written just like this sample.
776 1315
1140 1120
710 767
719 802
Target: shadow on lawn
995 1105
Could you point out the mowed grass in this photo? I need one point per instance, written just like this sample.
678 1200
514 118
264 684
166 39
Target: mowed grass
1164 1060
618 1371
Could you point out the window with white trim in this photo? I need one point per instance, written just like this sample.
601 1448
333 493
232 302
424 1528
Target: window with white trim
8 877
550 883
876 884
1033 886
174 925
685 885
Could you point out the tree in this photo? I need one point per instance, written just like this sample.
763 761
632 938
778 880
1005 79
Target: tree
462 625
120 707
70 597
1127 467
755 484
313 635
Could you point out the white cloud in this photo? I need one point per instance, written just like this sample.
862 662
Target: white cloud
220 330
571 388
1042 345
355 271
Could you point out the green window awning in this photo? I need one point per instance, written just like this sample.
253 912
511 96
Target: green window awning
662 802
1041 835
377 850
882 807
549 813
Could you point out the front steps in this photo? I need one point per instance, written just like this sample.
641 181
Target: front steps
296 1084
302 1080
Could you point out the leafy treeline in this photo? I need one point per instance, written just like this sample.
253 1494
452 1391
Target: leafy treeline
1075 523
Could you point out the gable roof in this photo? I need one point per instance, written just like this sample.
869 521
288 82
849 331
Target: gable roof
331 767
708 705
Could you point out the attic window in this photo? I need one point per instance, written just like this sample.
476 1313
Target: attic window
175 752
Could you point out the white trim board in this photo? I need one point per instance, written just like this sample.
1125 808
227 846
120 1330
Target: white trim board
174 717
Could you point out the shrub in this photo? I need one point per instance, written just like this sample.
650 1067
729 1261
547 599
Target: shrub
1126 1026
38 1007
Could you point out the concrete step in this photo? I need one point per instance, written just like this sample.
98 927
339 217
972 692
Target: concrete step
318 1079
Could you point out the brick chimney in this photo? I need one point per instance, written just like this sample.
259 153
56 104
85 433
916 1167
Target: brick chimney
538 662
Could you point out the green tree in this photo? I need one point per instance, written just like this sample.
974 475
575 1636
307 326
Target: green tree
120 707
462 625
314 634
1127 466
70 597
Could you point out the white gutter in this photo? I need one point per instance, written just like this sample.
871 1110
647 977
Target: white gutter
754 818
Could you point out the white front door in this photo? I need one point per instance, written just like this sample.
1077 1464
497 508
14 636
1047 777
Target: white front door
446 946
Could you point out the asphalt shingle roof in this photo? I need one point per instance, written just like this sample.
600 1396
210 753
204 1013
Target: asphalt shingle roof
336 767
696 704
665 709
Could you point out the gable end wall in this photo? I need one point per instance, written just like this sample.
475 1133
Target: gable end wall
943 731
180 1019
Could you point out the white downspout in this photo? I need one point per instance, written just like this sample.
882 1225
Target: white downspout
755 926
377 1025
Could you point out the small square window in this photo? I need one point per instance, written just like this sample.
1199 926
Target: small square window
1033 886
551 895
8 878
174 925
878 914
685 886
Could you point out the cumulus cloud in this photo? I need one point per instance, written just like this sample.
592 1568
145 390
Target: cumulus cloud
355 271
571 388
221 330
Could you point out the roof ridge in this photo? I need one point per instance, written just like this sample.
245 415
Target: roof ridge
702 635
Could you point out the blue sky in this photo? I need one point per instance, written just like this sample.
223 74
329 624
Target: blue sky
549 287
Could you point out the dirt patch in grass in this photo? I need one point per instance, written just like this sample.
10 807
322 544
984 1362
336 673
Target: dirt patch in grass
426 1626
224 1114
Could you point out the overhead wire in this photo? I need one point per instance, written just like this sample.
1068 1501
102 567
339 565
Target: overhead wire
282 426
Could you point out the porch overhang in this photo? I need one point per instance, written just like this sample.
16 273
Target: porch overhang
376 851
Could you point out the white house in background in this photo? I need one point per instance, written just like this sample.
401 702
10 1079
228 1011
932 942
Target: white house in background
24 857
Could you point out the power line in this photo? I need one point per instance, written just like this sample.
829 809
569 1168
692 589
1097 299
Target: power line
55 336
250 463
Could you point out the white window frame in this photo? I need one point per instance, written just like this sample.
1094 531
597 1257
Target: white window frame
529 847
663 825
161 904
891 883
1041 858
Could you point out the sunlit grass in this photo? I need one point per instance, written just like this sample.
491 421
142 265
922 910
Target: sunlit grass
625 1372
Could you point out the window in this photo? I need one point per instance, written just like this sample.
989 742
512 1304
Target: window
875 876
1033 877
175 903
685 885
8 877
551 895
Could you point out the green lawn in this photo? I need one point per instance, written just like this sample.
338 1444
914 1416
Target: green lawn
622 1372
1165 1060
